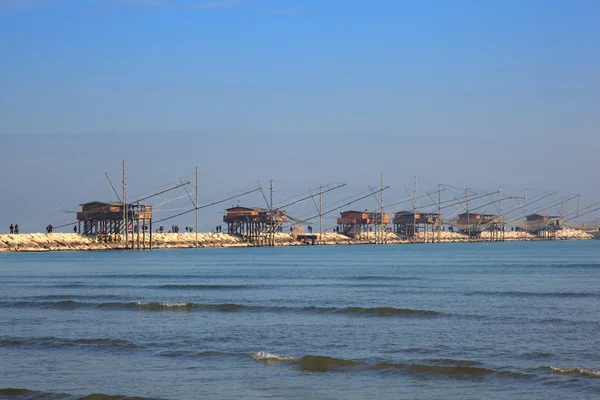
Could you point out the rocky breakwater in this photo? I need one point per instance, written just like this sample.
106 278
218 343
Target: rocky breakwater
49 242
36 242
188 240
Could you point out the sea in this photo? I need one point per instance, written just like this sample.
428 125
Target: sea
518 320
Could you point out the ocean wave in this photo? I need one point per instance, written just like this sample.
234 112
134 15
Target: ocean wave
192 354
161 276
72 296
318 363
450 361
87 285
43 304
26 394
382 278
421 350
201 287
56 343
324 363
585 372
310 363
533 294
538 355
69 285
449 370
373 311
158 306
225 307
386 311
142 276
271 358
183 306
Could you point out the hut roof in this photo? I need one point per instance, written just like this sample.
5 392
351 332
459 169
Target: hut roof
239 208
102 203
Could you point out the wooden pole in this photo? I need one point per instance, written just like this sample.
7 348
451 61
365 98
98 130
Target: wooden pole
578 213
468 215
125 211
439 213
526 222
137 219
320 215
196 206
381 225
415 210
501 215
271 235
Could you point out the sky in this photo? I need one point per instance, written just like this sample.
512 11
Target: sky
468 93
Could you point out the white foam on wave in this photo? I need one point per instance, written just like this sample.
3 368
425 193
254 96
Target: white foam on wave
166 305
272 358
576 371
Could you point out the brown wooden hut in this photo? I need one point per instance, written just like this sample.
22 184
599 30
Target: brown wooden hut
544 226
254 224
409 223
352 223
473 224
105 220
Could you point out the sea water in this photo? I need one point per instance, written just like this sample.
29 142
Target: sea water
451 321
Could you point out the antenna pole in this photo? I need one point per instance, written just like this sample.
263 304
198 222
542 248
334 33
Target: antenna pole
501 215
320 215
439 213
125 211
578 213
526 222
272 236
382 213
468 215
415 210
196 206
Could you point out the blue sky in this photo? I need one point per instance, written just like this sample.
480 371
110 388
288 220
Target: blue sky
469 93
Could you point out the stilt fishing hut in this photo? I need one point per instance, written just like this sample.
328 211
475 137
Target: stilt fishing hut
409 223
472 225
257 225
353 223
543 226
108 221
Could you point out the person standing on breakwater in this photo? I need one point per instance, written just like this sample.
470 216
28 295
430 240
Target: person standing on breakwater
12 229
16 229
75 229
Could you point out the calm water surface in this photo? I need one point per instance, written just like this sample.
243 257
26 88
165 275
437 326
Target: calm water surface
452 321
